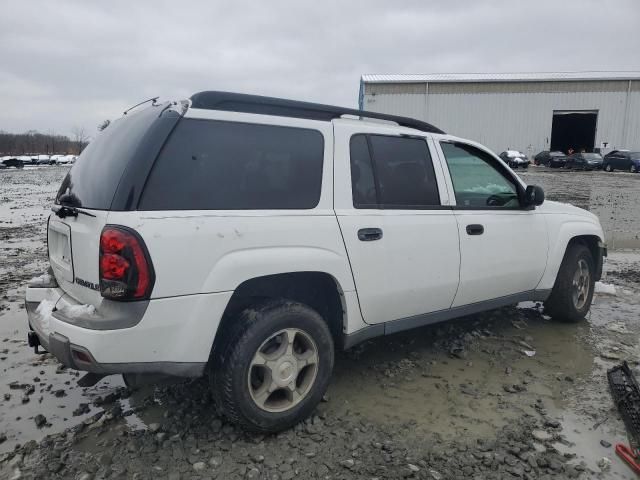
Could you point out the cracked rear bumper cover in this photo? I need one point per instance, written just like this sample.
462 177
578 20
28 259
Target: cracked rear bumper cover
79 358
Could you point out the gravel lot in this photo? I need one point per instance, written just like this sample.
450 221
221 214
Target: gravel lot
455 400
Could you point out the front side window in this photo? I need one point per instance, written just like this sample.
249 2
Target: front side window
217 165
392 172
477 180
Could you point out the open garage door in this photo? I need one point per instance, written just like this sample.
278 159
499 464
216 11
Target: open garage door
574 129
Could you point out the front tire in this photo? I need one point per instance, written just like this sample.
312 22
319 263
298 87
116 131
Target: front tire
572 293
633 169
608 167
273 366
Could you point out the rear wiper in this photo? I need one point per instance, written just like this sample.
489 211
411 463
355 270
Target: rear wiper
152 100
64 211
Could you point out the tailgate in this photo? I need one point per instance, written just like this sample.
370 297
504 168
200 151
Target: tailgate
73 253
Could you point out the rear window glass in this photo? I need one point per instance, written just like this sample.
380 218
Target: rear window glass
217 165
95 175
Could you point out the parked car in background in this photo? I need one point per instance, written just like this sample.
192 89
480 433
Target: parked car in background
66 159
584 161
514 158
13 162
553 159
621 160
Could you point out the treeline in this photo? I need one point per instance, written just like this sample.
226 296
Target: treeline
34 142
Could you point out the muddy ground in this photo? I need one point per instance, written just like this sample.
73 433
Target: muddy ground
456 400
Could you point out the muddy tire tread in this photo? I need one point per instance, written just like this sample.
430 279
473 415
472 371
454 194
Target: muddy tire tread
559 305
234 342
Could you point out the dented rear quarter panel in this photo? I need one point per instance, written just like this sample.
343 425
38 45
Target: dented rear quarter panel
205 252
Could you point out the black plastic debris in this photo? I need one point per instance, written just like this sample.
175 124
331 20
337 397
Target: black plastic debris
626 394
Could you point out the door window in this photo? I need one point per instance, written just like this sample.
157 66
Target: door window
392 172
478 180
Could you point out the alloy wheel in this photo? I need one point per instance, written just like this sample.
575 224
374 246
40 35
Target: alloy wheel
283 370
581 284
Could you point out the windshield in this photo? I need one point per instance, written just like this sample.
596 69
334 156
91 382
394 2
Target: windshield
592 156
557 154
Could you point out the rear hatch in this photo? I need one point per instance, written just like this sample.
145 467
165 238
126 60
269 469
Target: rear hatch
107 176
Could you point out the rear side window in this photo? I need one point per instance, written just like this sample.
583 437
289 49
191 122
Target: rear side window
216 165
363 184
392 172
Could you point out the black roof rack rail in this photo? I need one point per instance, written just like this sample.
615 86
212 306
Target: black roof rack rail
240 102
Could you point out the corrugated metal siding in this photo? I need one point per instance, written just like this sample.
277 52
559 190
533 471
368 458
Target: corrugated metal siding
500 77
513 115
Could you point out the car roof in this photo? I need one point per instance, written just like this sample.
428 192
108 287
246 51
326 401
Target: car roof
239 102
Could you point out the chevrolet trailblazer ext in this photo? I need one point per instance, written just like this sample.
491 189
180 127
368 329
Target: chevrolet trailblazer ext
245 238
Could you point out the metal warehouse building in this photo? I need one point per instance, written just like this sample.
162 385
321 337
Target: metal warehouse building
529 112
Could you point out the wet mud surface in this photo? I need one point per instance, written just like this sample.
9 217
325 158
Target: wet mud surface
505 394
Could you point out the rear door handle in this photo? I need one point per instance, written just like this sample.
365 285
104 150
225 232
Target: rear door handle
369 234
475 229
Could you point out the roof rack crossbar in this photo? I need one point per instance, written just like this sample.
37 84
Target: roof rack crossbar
239 102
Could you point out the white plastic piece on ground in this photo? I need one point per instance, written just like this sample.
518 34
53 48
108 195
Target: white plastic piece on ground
45 307
605 288
529 353
74 311
43 279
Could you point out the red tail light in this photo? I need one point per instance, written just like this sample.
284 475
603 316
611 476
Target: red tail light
126 271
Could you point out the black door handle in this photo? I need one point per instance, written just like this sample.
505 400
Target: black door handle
475 229
369 234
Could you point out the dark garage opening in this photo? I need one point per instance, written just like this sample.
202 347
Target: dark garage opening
573 129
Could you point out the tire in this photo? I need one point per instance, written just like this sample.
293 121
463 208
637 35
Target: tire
608 167
562 303
633 169
260 332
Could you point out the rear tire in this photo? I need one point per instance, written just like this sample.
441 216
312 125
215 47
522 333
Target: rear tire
633 169
273 366
572 292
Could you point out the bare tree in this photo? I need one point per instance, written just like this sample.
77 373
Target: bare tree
80 138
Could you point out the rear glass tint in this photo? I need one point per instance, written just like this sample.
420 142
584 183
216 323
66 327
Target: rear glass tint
93 179
217 165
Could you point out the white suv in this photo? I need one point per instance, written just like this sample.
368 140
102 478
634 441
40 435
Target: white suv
244 238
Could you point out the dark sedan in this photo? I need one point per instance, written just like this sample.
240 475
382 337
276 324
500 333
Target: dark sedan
584 161
553 159
622 160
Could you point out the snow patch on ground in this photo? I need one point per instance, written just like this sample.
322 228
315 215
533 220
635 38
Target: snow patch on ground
75 311
45 309
606 288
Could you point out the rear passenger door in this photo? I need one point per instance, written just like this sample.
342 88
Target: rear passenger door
401 242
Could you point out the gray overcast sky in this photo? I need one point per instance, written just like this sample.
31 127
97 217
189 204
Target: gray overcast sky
75 63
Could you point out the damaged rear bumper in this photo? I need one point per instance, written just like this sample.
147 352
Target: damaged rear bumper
143 339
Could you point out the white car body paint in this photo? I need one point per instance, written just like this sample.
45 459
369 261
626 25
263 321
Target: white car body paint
424 263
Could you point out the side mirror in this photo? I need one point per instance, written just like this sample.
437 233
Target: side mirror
533 195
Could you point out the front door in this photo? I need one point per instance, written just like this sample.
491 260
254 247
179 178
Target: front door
401 242
503 246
